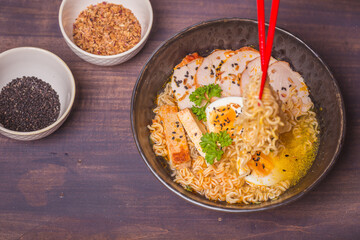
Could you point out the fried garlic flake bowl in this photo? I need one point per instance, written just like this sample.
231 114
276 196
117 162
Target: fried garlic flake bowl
70 10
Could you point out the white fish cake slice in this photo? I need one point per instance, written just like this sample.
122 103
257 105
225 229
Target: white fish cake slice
284 80
230 71
193 128
252 68
206 73
183 83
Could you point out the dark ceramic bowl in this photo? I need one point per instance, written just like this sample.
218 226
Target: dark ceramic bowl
233 34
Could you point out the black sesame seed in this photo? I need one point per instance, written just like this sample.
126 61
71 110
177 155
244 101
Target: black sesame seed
28 104
173 138
173 132
195 134
196 68
205 67
284 170
283 88
286 155
263 166
185 87
181 136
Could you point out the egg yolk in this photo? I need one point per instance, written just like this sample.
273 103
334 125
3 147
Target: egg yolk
223 118
261 164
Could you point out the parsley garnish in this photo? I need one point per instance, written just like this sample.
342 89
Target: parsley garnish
212 144
201 94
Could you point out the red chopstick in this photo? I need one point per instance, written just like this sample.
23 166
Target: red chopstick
265 45
261 29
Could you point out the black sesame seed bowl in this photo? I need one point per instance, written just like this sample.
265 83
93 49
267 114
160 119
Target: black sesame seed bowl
37 92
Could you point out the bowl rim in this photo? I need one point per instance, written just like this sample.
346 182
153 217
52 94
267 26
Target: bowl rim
73 91
220 208
106 57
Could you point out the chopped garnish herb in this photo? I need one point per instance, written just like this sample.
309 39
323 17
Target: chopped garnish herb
204 94
199 112
212 144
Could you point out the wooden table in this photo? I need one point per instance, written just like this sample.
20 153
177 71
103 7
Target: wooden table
87 180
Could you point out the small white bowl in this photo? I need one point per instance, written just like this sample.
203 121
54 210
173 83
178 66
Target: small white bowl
70 10
40 63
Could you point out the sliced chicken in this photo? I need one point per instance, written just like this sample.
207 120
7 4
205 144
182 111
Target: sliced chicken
286 81
193 128
252 68
177 146
230 71
183 80
207 71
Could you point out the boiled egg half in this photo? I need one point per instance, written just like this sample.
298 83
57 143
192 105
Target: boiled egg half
268 170
221 114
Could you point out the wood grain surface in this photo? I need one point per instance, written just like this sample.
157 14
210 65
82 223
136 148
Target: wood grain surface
87 180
